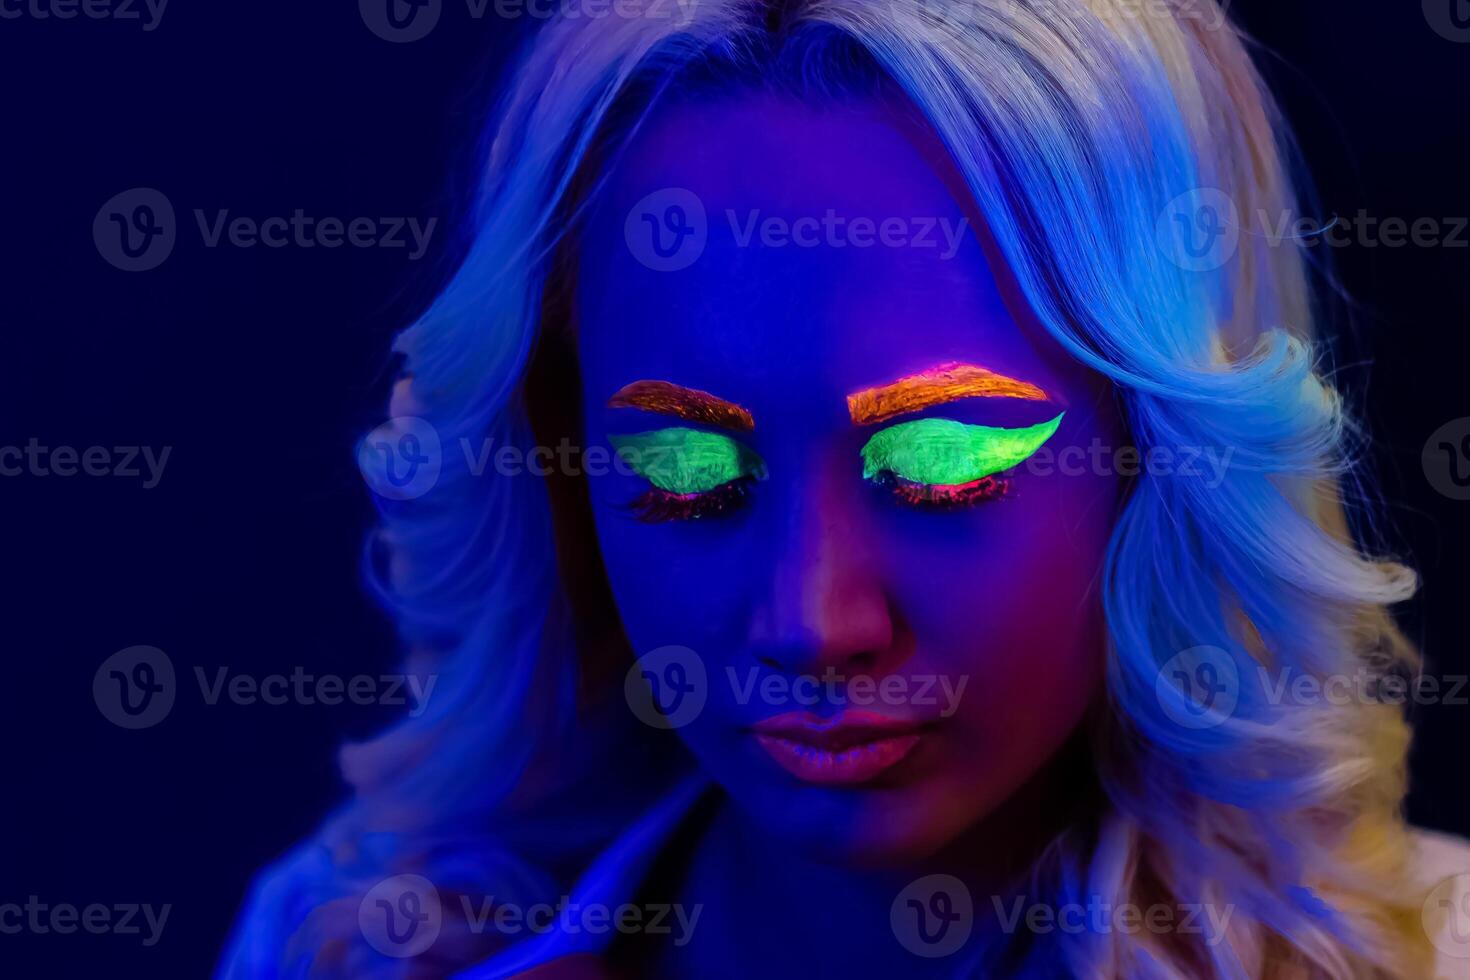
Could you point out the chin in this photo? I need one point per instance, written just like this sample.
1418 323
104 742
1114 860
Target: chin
871 828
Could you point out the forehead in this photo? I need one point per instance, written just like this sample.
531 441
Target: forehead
775 252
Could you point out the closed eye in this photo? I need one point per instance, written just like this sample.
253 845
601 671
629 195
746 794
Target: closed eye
943 463
692 473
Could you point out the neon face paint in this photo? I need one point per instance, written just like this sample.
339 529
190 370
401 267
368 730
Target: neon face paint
946 453
687 461
938 385
666 398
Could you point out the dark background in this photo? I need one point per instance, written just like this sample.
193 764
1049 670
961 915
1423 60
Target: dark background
260 367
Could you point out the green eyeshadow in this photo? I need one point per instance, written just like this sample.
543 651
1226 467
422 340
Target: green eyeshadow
687 461
943 452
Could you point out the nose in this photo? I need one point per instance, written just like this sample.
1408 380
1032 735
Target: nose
825 606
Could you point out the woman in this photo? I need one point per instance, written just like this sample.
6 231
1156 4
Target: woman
977 503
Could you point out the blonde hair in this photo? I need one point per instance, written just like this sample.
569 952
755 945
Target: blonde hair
1077 124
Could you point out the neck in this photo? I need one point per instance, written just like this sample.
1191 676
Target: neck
769 905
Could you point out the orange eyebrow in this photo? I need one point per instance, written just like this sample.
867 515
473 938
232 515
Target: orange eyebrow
667 398
935 386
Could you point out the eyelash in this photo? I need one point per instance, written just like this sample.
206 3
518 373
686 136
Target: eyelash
655 506
923 496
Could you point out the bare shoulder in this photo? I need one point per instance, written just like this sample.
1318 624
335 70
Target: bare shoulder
1441 853
1442 867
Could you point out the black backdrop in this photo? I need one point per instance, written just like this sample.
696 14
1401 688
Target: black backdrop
259 367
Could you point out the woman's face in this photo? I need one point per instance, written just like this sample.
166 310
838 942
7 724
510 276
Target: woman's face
883 638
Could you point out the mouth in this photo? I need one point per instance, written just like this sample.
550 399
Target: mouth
852 748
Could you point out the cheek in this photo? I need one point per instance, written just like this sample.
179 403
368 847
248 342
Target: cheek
1007 603
673 583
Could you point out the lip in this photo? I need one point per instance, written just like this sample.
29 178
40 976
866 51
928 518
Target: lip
849 749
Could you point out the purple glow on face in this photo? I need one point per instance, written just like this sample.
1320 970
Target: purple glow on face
813 570
925 497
